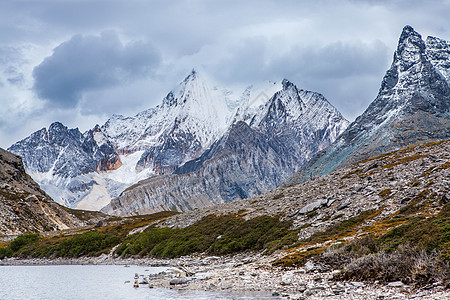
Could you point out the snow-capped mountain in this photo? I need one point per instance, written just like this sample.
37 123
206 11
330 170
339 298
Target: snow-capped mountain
187 122
64 160
249 159
88 170
413 105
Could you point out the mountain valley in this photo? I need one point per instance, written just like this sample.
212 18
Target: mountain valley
283 181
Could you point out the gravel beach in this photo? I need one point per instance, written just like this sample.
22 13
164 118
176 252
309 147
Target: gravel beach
253 273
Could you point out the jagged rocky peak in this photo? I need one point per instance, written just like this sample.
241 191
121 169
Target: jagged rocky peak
412 83
191 118
286 84
412 105
410 42
59 158
193 87
202 99
188 84
285 103
407 62
192 76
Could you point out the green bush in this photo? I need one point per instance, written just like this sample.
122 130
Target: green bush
429 234
214 235
5 252
91 243
23 240
17 244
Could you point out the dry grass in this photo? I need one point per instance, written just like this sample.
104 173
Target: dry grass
407 264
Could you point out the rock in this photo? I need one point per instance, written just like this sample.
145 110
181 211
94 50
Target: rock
309 266
317 278
312 206
310 292
338 291
247 260
344 205
275 294
297 297
203 277
335 272
358 284
176 281
99 224
302 286
445 199
396 284
330 201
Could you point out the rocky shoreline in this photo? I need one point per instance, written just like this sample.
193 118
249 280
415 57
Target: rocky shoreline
254 273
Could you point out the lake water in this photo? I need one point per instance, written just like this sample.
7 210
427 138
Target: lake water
91 282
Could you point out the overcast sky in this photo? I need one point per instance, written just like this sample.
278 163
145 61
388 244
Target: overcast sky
79 62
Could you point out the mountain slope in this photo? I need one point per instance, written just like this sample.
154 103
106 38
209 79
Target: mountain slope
413 105
24 206
247 160
406 183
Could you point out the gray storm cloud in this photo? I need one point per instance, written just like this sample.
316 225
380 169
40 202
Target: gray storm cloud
87 63
338 48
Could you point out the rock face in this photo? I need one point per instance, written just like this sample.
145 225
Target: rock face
249 159
24 206
413 105
198 134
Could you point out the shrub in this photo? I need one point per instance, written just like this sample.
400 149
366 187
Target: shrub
5 252
17 244
407 264
23 240
91 243
213 234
